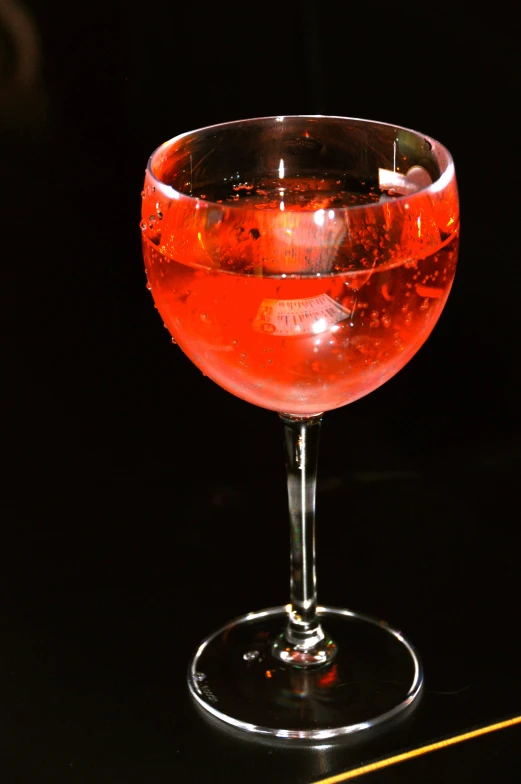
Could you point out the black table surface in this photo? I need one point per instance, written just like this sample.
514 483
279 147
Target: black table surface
124 575
148 506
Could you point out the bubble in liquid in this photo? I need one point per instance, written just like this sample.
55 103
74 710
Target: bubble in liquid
148 287
203 316
318 367
386 321
236 343
174 341
425 304
142 225
142 194
243 355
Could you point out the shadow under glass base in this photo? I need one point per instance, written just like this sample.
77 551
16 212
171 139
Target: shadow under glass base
374 676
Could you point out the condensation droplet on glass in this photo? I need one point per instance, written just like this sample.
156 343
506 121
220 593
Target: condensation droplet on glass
174 341
152 221
425 304
142 225
148 287
243 355
235 342
142 194
203 316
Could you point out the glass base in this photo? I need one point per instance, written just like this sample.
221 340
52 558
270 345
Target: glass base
374 675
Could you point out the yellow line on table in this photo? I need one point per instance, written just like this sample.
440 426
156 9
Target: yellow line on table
351 774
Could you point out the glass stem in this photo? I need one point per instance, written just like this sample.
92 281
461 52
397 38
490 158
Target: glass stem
304 642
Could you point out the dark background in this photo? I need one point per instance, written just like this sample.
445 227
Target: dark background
147 505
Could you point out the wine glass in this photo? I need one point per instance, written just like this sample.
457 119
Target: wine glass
300 262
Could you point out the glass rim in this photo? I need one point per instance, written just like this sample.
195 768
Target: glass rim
447 175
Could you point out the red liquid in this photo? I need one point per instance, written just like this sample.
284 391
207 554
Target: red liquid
294 343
